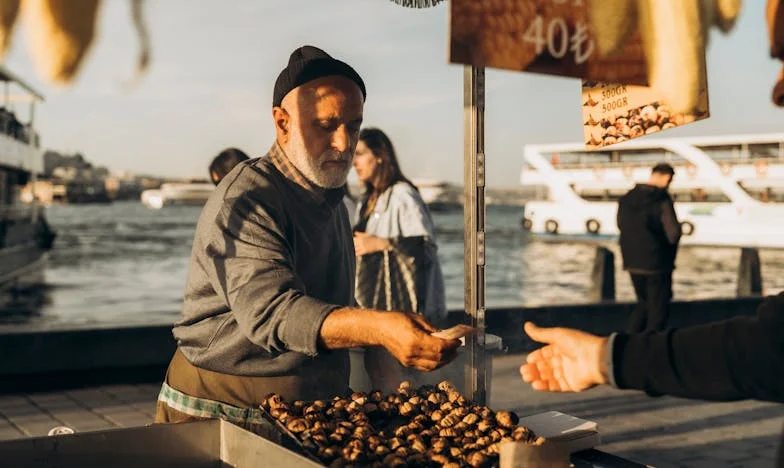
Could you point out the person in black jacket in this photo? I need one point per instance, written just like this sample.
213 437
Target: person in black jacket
224 162
733 359
649 242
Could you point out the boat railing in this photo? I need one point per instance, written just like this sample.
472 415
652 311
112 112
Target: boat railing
648 163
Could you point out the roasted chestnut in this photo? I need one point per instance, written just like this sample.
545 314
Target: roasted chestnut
395 442
418 445
485 425
449 420
402 431
381 450
298 425
438 445
447 432
328 453
478 460
407 409
446 387
522 434
506 419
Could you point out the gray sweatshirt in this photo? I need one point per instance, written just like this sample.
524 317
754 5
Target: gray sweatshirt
271 259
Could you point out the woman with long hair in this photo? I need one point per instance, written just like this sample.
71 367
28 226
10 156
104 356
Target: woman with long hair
395 244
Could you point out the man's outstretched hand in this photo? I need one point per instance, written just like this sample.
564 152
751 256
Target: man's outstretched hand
571 361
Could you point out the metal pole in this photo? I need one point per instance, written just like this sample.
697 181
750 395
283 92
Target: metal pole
474 218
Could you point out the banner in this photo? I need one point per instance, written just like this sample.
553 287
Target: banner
541 36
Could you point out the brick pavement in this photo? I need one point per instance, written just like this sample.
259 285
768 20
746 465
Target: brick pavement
662 432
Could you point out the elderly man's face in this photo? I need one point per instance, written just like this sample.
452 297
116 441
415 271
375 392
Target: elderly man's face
318 126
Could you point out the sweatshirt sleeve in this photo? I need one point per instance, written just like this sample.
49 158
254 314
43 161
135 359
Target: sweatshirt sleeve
249 262
672 228
738 358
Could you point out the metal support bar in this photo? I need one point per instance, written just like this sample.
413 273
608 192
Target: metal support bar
474 218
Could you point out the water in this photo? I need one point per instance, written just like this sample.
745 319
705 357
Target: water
124 264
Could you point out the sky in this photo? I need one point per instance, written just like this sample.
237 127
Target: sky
214 64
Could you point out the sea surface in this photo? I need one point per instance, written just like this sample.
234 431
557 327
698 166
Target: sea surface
124 264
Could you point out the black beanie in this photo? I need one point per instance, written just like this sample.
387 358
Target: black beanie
307 64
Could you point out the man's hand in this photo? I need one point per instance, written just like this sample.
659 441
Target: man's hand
572 361
407 337
366 244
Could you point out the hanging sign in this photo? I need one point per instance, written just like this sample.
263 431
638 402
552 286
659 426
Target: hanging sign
541 36
614 113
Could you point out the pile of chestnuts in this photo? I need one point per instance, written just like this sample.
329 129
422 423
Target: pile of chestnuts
428 426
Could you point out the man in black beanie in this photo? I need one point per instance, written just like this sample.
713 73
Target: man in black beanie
271 281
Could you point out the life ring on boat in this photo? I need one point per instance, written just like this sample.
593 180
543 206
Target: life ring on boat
627 171
687 228
551 226
761 167
598 172
593 226
726 168
527 223
691 169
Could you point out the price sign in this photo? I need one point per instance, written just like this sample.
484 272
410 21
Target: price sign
614 113
542 36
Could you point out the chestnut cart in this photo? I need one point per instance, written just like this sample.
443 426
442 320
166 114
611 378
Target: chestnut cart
203 444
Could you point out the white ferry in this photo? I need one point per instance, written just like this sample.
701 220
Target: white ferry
178 193
727 189
25 236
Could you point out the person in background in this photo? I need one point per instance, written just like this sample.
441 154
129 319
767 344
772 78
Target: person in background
733 359
650 233
224 162
268 304
391 216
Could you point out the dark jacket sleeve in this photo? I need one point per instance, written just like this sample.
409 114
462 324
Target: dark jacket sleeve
672 228
738 358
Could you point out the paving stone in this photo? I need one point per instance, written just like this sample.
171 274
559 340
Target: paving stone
115 409
79 417
23 409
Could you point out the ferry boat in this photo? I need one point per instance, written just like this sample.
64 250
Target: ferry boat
727 189
439 195
25 236
178 193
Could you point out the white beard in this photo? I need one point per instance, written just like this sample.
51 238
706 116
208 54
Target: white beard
332 176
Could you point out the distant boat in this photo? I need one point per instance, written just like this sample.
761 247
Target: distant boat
177 193
439 195
728 190
25 236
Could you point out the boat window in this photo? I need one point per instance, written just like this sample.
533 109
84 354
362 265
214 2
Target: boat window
723 152
600 195
699 195
4 189
765 150
535 193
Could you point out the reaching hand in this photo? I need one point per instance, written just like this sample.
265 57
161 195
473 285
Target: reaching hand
572 361
407 337
367 244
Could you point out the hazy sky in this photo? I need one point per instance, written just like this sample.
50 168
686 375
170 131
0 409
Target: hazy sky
214 66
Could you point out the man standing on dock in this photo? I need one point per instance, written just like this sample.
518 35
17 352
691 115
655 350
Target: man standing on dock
650 233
